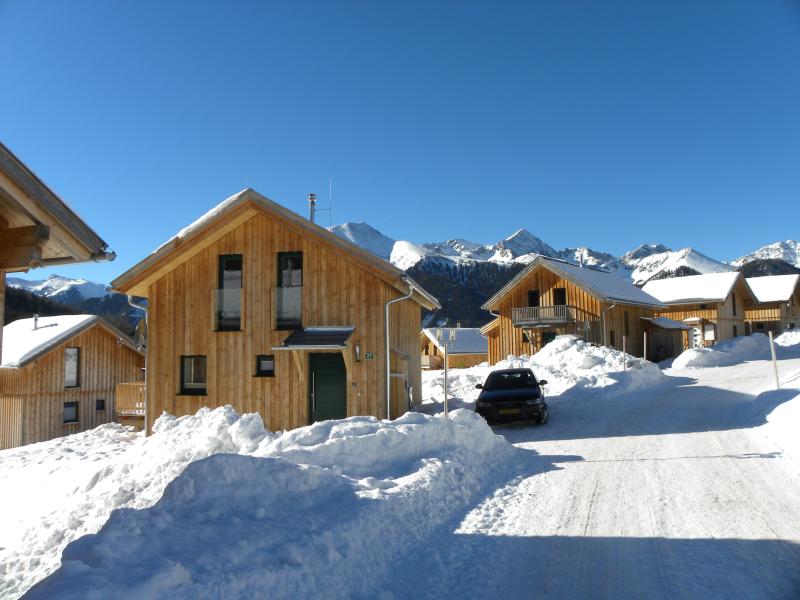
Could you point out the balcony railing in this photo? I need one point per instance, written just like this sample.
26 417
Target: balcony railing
542 316
129 399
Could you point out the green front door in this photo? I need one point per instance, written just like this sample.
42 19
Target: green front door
327 387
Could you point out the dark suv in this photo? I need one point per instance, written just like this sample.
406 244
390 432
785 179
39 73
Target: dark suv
511 395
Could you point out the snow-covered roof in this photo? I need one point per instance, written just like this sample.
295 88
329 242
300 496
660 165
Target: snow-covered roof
23 344
710 287
607 286
774 288
468 340
666 323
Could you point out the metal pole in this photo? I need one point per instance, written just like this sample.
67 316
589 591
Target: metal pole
774 361
624 357
644 355
445 378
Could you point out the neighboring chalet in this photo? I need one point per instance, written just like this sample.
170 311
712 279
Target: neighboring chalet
466 347
255 306
713 305
551 297
778 307
58 376
37 229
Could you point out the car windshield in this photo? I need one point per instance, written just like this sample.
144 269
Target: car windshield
509 380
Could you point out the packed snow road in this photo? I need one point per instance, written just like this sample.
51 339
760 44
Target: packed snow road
680 492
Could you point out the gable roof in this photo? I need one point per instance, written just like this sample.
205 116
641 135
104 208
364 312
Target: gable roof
467 340
231 213
602 284
27 201
22 344
774 288
710 287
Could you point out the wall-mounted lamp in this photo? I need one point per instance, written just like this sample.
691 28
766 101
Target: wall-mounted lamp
358 353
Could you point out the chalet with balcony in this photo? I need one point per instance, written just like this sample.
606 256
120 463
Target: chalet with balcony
713 305
466 347
777 306
37 229
59 375
552 297
255 306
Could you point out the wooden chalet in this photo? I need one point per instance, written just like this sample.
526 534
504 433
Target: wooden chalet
37 229
59 376
712 305
255 306
552 297
777 306
466 347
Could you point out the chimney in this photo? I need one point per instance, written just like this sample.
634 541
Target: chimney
580 257
312 206
35 322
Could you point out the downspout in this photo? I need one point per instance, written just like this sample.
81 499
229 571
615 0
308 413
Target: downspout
144 308
605 340
387 348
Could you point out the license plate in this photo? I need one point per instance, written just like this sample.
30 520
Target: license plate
508 411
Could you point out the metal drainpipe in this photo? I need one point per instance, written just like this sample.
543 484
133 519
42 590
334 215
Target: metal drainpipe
605 341
387 349
144 308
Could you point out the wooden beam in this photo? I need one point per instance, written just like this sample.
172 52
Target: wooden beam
21 247
347 355
301 372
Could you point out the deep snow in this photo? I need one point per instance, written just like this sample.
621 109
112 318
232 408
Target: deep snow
643 484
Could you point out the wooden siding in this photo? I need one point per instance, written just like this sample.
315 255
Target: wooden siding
509 339
2 306
775 316
32 397
337 290
719 313
462 361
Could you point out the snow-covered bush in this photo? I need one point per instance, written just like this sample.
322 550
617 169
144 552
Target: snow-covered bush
739 349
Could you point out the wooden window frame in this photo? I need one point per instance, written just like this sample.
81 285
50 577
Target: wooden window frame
285 325
77 383
259 372
76 405
192 391
221 259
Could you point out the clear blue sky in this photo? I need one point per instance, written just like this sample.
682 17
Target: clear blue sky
605 124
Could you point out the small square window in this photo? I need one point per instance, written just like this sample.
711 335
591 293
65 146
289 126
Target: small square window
70 412
265 365
100 404
193 375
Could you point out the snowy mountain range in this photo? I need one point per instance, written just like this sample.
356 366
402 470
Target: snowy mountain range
788 251
61 289
646 262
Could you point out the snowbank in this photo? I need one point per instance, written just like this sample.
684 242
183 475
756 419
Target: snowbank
740 349
214 505
566 363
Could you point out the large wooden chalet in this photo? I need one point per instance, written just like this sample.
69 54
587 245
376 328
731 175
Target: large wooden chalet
255 306
778 306
466 347
551 297
713 305
58 375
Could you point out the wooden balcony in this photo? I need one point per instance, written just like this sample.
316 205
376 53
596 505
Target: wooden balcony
129 400
545 316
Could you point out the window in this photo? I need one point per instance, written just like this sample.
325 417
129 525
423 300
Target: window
704 307
100 404
265 365
70 412
72 364
533 298
735 331
229 294
289 291
760 326
733 300
626 322
193 375
612 339
560 296
525 337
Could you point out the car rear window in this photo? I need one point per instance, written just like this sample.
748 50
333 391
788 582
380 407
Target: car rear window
504 381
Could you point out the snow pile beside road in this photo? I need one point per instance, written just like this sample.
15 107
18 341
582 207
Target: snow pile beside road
740 349
566 363
322 511
67 487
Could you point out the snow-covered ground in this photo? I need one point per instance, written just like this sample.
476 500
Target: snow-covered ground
642 485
